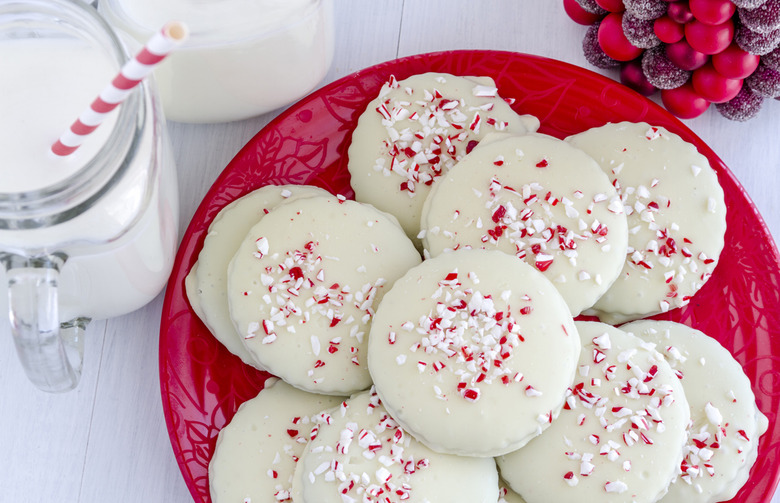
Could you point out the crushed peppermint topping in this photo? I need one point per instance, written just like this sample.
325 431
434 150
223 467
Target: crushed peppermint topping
295 286
381 439
468 335
428 132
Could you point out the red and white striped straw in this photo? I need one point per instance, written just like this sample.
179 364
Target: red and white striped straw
130 75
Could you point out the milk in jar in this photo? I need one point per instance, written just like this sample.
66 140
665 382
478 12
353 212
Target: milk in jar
91 235
243 57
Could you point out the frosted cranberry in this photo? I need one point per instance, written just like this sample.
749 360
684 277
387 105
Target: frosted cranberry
685 56
668 30
762 19
748 4
735 63
593 51
592 7
684 102
765 81
712 11
757 43
660 71
578 14
639 32
631 75
744 106
772 60
709 39
714 87
613 41
612 5
646 9
680 12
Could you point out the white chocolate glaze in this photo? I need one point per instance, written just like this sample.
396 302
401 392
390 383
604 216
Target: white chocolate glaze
620 436
472 352
725 422
362 455
417 129
206 283
257 452
676 217
539 199
506 494
303 286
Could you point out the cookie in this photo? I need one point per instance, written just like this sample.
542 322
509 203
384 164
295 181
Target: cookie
539 199
472 352
417 129
676 217
304 284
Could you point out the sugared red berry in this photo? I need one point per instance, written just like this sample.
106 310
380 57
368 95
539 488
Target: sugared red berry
631 75
613 41
714 87
762 19
646 9
592 7
757 43
579 15
612 5
684 102
639 32
680 12
772 60
668 30
709 39
743 107
735 63
712 11
748 4
593 51
660 71
765 82
686 57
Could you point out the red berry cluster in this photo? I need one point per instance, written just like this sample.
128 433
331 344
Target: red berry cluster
695 52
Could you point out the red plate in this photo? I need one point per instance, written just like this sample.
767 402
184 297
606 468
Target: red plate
202 384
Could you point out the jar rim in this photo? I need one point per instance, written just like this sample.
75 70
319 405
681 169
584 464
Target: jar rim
66 198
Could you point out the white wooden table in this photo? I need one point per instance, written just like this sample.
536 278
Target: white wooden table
107 441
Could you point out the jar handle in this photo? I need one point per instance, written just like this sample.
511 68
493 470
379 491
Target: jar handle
51 354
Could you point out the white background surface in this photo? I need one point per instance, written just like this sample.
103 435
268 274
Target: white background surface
107 440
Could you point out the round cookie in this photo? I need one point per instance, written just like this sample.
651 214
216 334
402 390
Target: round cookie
417 129
206 283
257 452
303 286
472 352
539 199
725 421
362 454
620 436
676 217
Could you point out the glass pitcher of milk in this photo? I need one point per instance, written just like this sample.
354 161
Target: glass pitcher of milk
91 235
243 57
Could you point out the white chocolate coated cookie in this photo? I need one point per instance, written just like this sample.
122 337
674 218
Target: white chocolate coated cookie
539 199
620 436
472 352
256 453
676 217
725 422
362 455
206 283
507 495
417 129
303 286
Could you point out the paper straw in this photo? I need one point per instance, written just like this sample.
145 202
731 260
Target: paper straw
129 76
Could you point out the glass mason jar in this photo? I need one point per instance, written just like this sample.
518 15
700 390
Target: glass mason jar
242 58
91 235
